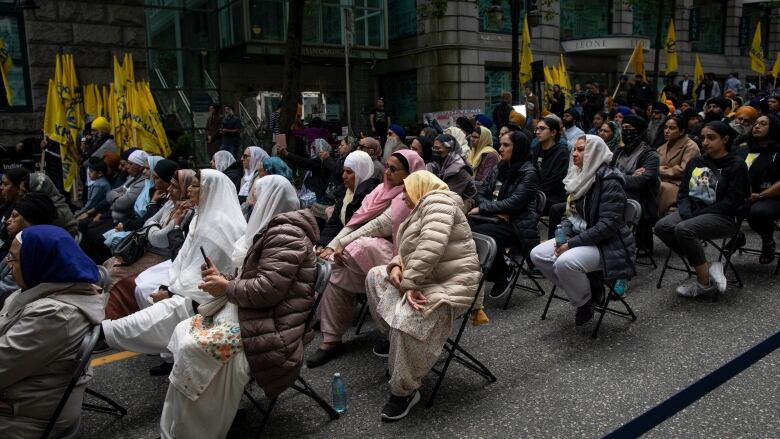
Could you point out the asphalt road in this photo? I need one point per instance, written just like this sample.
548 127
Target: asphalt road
554 381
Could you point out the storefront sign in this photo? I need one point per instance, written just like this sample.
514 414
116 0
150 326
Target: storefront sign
693 25
604 43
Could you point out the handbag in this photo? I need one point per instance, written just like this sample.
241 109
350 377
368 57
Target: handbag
133 246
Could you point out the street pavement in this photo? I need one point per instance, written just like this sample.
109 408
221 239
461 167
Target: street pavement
554 381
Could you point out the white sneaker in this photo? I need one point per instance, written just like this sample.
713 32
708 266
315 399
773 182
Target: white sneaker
693 288
717 276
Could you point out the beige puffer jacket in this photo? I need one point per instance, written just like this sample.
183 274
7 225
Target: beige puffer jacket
437 252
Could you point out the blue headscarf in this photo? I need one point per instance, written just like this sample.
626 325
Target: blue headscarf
142 202
277 166
50 254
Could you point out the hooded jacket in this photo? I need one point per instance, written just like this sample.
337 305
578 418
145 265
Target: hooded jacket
603 208
39 182
41 330
728 184
643 188
275 293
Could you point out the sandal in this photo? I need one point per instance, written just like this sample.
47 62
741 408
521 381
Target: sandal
767 253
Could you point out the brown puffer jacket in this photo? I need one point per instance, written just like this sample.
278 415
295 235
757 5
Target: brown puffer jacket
275 293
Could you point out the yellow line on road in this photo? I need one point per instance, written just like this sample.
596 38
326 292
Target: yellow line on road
119 356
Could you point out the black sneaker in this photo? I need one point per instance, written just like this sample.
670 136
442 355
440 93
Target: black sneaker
584 314
382 348
163 369
322 357
398 406
500 288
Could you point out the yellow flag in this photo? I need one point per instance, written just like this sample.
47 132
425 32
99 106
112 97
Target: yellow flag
90 100
5 66
69 95
757 52
698 73
671 49
662 98
563 77
54 125
638 60
548 83
776 67
526 57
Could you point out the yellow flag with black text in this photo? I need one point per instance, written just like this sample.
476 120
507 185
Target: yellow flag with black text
526 57
5 66
638 60
757 52
698 73
671 49
776 67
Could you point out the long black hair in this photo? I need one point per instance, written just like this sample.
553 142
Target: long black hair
773 136
521 147
723 130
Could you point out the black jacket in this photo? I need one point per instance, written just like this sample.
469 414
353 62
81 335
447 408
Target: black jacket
334 224
603 209
235 173
517 197
643 188
553 165
732 187
323 172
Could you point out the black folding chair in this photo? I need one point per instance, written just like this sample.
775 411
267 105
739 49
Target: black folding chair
632 214
724 254
301 386
82 359
360 318
518 262
486 251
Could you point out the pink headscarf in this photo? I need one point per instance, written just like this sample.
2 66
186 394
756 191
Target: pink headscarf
377 201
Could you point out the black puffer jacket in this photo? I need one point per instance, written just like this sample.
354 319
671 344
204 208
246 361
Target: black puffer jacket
604 210
235 172
334 225
517 197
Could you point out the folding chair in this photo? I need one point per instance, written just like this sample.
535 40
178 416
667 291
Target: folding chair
632 214
724 253
82 359
486 251
301 386
518 262
360 319
752 251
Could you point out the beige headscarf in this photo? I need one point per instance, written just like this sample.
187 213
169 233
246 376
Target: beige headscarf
484 146
578 181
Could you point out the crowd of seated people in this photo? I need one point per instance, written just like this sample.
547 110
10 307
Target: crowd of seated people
396 222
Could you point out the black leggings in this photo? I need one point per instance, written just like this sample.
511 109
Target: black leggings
762 216
505 236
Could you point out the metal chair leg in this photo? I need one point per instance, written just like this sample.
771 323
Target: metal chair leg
116 410
549 299
362 317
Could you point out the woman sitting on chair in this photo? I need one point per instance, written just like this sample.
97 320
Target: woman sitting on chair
597 238
255 323
508 195
714 190
417 297
764 167
41 330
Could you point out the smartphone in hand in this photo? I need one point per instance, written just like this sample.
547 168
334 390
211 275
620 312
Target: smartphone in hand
205 259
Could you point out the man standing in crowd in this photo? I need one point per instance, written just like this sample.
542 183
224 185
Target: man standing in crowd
501 112
594 102
379 119
570 129
686 88
230 131
733 83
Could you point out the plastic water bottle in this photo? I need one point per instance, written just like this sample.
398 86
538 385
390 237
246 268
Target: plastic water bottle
560 236
339 393
620 287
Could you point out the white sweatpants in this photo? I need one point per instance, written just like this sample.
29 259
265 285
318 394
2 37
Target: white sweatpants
148 331
569 270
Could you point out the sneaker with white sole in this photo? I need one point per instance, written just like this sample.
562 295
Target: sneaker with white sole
717 276
398 406
693 288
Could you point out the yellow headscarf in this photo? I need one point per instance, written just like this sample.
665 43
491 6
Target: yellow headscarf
484 146
419 183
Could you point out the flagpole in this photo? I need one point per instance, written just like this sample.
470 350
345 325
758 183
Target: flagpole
624 73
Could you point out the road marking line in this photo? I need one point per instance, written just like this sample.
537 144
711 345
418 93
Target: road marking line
119 356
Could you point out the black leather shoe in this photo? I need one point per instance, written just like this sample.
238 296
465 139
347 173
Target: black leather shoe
584 314
163 369
321 357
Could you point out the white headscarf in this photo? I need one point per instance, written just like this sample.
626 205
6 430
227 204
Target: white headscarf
138 157
461 138
223 160
361 164
218 224
256 156
578 181
275 194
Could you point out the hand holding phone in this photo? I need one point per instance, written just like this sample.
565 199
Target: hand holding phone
205 259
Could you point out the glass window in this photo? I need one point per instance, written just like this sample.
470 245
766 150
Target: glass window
496 82
12 37
585 19
312 15
402 18
267 20
369 23
231 23
708 17
400 93
646 21
332 30
488 23
751 15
